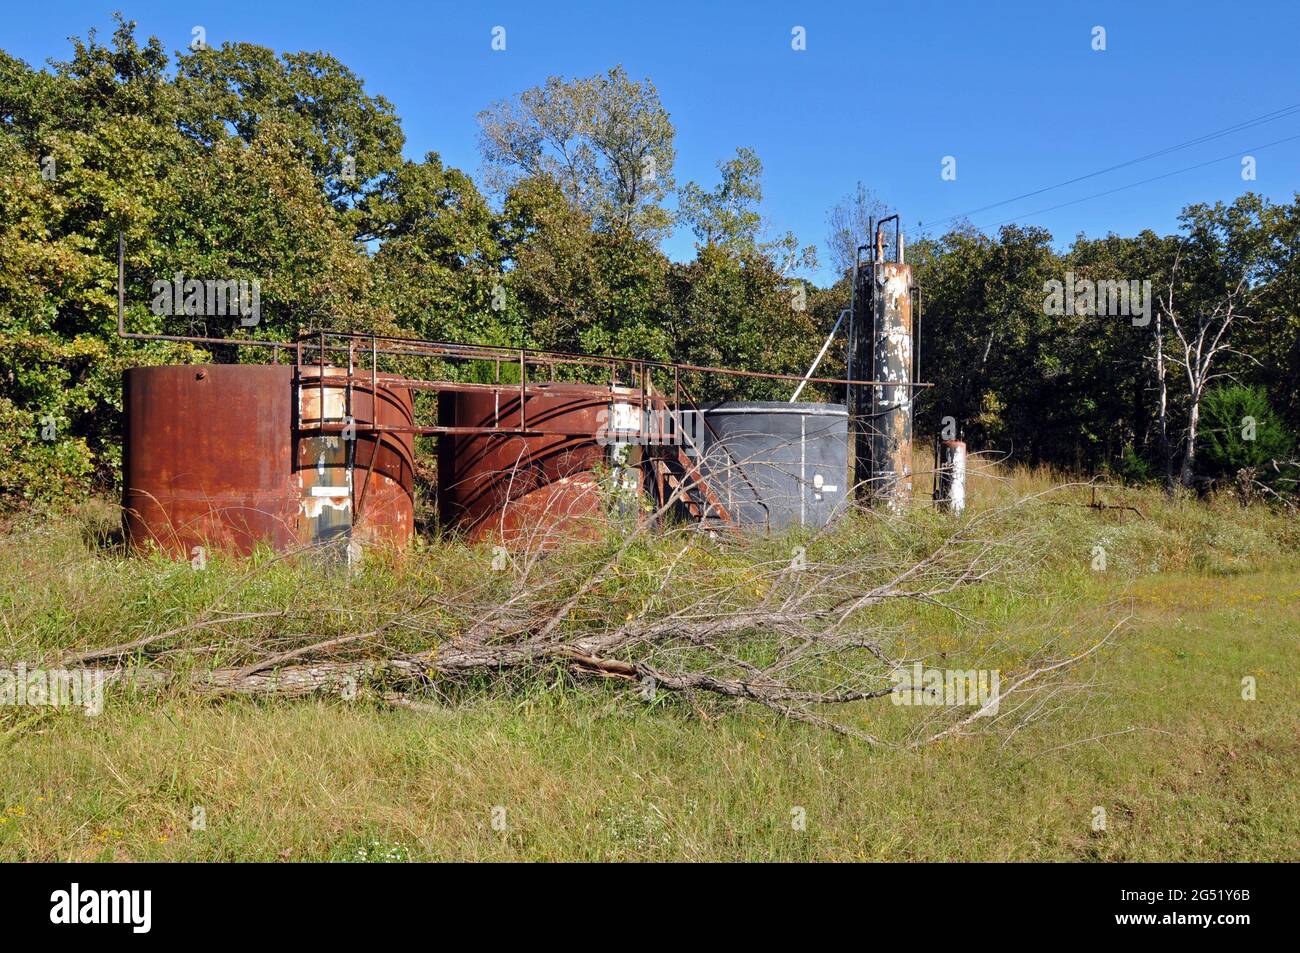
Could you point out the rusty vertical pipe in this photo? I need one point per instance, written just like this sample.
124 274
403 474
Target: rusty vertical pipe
887 437
891 399
858 396
882 413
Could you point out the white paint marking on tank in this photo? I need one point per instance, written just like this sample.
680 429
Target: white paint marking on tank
313 507
625 417
803 459
821 486
330 491
896 285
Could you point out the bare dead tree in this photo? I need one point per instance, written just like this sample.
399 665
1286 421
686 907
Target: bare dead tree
1204 338
1166 306
849 225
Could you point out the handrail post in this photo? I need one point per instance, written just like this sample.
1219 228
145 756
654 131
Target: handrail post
320 357
523 375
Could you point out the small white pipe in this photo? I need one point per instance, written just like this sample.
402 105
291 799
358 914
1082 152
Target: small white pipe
820 354
952 476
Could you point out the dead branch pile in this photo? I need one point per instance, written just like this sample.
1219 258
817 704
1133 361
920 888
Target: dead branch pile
812 639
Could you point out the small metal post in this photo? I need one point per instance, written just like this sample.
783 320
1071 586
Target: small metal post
523 374
320 411
347 393
951 477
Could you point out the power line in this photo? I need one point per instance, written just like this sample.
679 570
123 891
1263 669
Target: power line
1154 178
1207 137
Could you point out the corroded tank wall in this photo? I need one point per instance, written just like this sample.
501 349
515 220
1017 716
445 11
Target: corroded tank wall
215 456
774 464
356 482
536 489
207 458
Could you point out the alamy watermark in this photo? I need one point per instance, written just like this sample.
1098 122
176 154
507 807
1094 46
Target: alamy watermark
919 685
208 297
133 908
1109 297
53 688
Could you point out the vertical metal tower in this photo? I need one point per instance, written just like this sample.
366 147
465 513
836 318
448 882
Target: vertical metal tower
880 350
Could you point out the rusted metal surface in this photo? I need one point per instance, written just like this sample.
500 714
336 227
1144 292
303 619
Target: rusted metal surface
357 480
891 401
536 489
880 348
228 456
384 468
208 458
524 451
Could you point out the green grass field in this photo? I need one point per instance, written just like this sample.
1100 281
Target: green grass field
546 767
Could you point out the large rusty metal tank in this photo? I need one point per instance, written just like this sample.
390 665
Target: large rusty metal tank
529 488
230 456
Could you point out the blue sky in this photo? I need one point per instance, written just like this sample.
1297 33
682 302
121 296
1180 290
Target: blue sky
1013 90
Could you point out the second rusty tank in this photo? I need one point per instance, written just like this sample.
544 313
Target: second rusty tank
537 471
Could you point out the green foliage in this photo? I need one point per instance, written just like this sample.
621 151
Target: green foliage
348 139
94 147
38 473
371 782
1132 467
439 267
580 289
1242 430
605 140
1079 388
728 215
990 347
281 168
731 311
253 211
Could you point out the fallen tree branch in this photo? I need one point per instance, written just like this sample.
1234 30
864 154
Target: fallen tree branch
811 642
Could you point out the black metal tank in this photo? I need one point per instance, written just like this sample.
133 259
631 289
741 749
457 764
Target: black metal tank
775 465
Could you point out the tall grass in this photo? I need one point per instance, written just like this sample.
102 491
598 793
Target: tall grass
1162 740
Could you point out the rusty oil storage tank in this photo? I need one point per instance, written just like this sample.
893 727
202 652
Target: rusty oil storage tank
775 465
230 456
540 486
355 481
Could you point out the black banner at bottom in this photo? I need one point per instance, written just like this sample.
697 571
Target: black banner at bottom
140 903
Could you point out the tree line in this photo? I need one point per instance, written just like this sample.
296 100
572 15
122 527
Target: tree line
247 166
